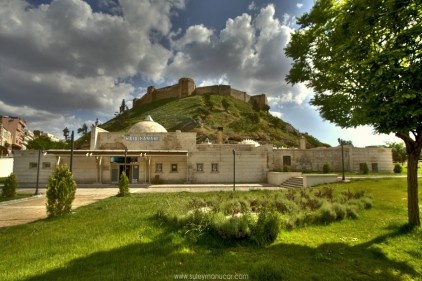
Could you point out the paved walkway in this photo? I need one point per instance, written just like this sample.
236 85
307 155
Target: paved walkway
33 208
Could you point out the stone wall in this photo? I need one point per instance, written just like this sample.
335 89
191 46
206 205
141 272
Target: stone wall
307 160
251 164
25 167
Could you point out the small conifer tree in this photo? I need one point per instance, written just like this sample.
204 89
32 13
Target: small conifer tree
10 185
397 169
61 190
123 185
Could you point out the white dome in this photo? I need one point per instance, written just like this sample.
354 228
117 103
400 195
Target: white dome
250 142
147 126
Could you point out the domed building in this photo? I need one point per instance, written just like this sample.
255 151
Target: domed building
149 154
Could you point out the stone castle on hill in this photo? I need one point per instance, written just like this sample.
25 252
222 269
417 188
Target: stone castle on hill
186 87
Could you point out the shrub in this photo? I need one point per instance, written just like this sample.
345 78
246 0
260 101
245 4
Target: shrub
123 185
195 224
397 169
286 168
285 206
365 169
9 187
61 190
367 202
232 228
326 169
327 213
266 229
340 211
352 212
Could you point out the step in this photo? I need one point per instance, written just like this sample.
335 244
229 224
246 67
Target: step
294 182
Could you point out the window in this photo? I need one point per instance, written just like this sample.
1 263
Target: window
199 167
46 165
214 167
33 165
174 168
158 167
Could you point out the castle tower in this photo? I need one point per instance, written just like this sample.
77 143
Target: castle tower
186 87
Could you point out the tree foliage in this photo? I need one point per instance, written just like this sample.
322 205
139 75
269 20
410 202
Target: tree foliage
399 151
363 59
44 142
83 130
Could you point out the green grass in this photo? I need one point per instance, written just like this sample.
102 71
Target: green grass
204 113
118 239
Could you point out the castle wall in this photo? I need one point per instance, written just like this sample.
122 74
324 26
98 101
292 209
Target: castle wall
186 87
240 95
207 90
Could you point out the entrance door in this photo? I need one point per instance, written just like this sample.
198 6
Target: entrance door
115 174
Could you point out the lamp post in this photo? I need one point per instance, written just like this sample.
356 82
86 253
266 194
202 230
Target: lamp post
341 142
125 159
38 171
234 170
72 138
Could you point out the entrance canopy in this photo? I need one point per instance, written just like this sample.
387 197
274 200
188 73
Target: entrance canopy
117 152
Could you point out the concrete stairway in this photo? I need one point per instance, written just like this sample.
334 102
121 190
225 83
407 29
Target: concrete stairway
294 182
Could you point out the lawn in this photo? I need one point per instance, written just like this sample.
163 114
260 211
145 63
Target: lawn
119 239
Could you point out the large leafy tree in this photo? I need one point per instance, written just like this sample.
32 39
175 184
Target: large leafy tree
363 59
44 142
399 151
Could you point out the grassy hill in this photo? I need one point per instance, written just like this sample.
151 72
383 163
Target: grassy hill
203 114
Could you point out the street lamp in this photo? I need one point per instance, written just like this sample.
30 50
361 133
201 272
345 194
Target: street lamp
234 170
125 159
66 133
38 170
341 142
72 139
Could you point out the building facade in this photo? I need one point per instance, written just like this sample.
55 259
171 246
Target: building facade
5 142
149 154
16 127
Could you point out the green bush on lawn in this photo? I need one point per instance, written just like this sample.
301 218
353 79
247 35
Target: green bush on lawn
242 216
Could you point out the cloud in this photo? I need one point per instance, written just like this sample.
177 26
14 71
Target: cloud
66 62
248 52
62 58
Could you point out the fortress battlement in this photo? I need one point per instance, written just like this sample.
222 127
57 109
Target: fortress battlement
186 87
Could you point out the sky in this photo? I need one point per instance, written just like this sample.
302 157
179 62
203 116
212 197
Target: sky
64 63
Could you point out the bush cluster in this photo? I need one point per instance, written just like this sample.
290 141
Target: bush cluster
61 191
326 169
397 168
123 185
10 186
258 219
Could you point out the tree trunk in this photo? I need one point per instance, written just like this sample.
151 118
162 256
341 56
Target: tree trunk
412 189
413 149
